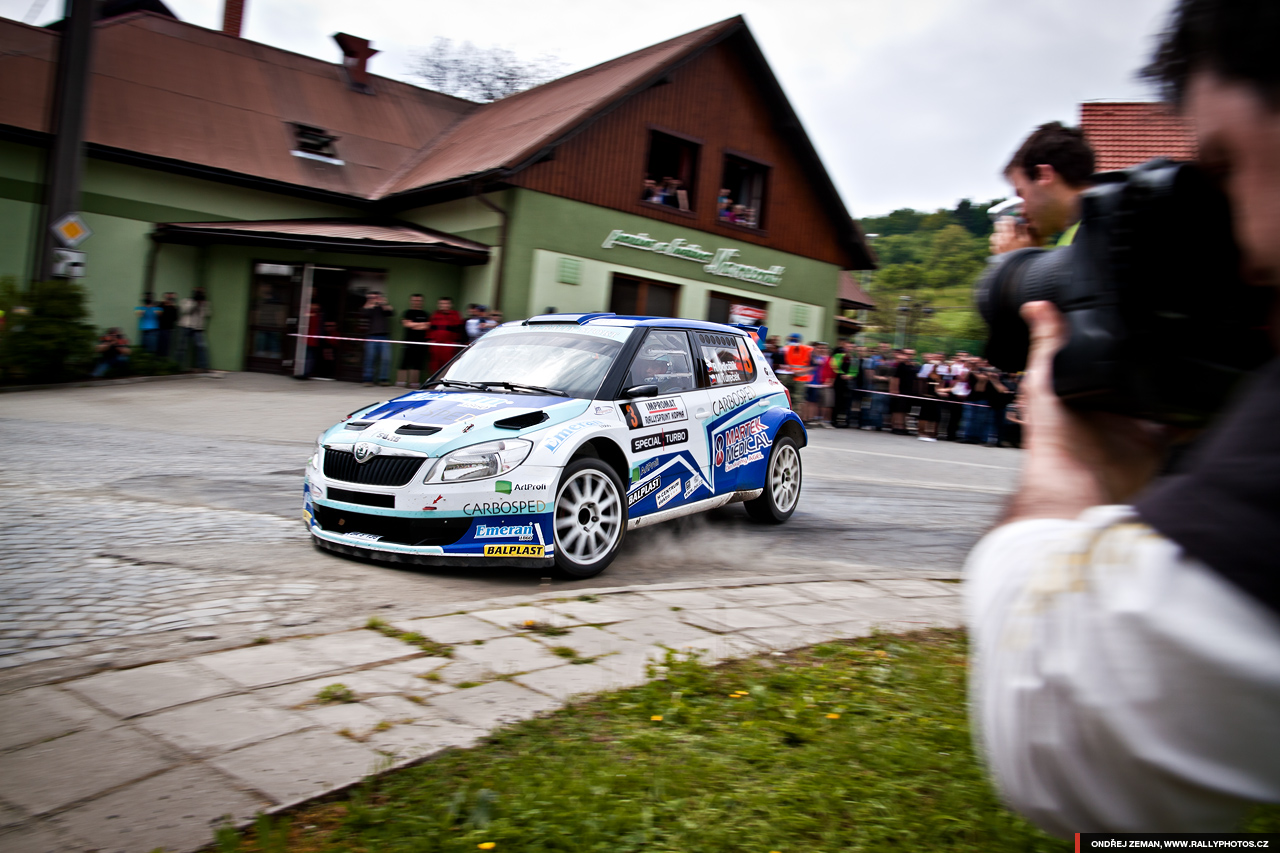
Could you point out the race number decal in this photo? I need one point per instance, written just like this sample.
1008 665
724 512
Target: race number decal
655 412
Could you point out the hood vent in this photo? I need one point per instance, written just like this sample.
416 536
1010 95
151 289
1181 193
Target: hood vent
418 429
358 425
528 419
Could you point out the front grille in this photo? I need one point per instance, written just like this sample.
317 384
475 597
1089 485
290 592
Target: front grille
366 498
403 531
378 471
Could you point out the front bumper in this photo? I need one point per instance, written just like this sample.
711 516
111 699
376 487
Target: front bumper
479 523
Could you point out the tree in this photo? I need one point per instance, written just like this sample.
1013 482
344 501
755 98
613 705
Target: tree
482 74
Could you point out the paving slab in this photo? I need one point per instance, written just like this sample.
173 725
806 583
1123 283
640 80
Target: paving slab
357 648
514 618
789 637
824 614
60 772
41 713
177 810
131 692
689 599
219 725
656 630
453 629
41 838
632 668
509 655
9 815
259 666
916 588
397 709
604 612
735 618
717 649
765 596
297 766
491 705
354 717
565 682
423 737
830 590
590 642
466 672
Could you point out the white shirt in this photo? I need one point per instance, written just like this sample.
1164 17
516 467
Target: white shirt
1117 683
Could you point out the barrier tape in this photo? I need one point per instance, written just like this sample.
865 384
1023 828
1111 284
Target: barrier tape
376 340
943 400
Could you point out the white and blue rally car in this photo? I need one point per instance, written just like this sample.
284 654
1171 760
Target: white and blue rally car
546 440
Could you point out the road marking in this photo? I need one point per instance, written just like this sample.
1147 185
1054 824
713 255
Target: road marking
913 458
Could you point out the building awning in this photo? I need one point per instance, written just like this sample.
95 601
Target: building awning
355 236
852 294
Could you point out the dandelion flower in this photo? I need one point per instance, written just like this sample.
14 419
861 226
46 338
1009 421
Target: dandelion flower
881 653
656 718
527 623
487 845
833 716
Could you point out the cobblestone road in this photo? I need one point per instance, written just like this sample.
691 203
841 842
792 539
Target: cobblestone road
157 521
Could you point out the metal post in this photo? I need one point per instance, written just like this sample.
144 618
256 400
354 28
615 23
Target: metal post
304 322
65 164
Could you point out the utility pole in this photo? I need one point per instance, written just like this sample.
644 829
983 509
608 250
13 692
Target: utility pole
65 163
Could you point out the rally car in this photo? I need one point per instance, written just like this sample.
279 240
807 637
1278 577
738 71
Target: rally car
546 440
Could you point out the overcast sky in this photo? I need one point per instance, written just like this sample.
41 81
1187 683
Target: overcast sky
910 103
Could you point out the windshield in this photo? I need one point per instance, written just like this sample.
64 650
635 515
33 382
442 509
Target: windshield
573 363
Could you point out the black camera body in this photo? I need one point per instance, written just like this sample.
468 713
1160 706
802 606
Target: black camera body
1161 324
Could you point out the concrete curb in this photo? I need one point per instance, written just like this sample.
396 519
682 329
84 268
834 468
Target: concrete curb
109 383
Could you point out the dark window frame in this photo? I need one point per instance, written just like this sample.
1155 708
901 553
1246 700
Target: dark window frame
744 358
690 184
766 169
642 298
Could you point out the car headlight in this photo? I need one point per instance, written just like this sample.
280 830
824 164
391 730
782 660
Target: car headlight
479 461
314 461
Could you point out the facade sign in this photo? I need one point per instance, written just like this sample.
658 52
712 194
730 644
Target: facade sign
719 262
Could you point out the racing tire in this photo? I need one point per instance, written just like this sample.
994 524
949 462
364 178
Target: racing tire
590 518
782 482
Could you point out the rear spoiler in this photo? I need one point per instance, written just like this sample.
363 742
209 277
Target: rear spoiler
759 334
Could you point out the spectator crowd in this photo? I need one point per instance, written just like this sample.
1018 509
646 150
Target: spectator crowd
934 396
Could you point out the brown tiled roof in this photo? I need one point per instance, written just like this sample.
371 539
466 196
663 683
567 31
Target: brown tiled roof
182 93
506 133
384 238
1127 133
851 291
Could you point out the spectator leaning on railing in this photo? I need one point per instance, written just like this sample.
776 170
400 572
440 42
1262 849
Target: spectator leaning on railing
1126 635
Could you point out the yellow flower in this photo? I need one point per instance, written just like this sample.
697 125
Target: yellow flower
833 716
527 623
487 845
657 718
881 653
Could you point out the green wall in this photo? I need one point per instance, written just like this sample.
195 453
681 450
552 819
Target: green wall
541 221
122 203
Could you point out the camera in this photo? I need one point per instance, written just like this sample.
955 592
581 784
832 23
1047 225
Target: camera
1161 324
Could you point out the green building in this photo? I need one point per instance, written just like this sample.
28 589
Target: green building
676 181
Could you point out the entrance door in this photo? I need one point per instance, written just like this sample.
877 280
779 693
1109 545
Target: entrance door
273 316
633 296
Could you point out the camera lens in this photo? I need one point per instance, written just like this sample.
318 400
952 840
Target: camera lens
1014 279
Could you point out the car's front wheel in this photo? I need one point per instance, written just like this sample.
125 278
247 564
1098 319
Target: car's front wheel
781 485
590 518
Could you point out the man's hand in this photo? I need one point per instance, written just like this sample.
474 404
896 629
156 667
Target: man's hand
1010 235
1075 460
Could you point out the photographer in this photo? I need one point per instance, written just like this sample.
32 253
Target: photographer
1126 635
113 351
1050 170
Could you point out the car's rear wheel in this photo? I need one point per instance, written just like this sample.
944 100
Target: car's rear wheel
781 485
590 518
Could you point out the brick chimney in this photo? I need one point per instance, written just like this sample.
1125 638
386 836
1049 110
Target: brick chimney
355 58
232 17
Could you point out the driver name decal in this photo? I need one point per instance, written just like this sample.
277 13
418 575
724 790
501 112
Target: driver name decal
741 444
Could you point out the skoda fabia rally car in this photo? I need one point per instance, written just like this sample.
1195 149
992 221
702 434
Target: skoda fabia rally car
546 440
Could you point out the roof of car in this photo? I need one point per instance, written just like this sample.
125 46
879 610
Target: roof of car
631 321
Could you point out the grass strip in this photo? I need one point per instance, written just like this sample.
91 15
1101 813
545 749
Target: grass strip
850 746
413 638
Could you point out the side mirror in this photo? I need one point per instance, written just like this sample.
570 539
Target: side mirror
641 391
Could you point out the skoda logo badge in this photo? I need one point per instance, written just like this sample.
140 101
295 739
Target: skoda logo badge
365 450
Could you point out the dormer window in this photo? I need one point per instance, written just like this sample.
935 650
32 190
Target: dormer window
313 143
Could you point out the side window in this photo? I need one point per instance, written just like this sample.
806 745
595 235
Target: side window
663 360
726 359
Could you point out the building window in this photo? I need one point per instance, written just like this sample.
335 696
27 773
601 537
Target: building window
314 144
671 172
742 192
632 296
724 308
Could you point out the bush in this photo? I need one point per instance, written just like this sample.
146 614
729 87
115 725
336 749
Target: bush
143 363
50 342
